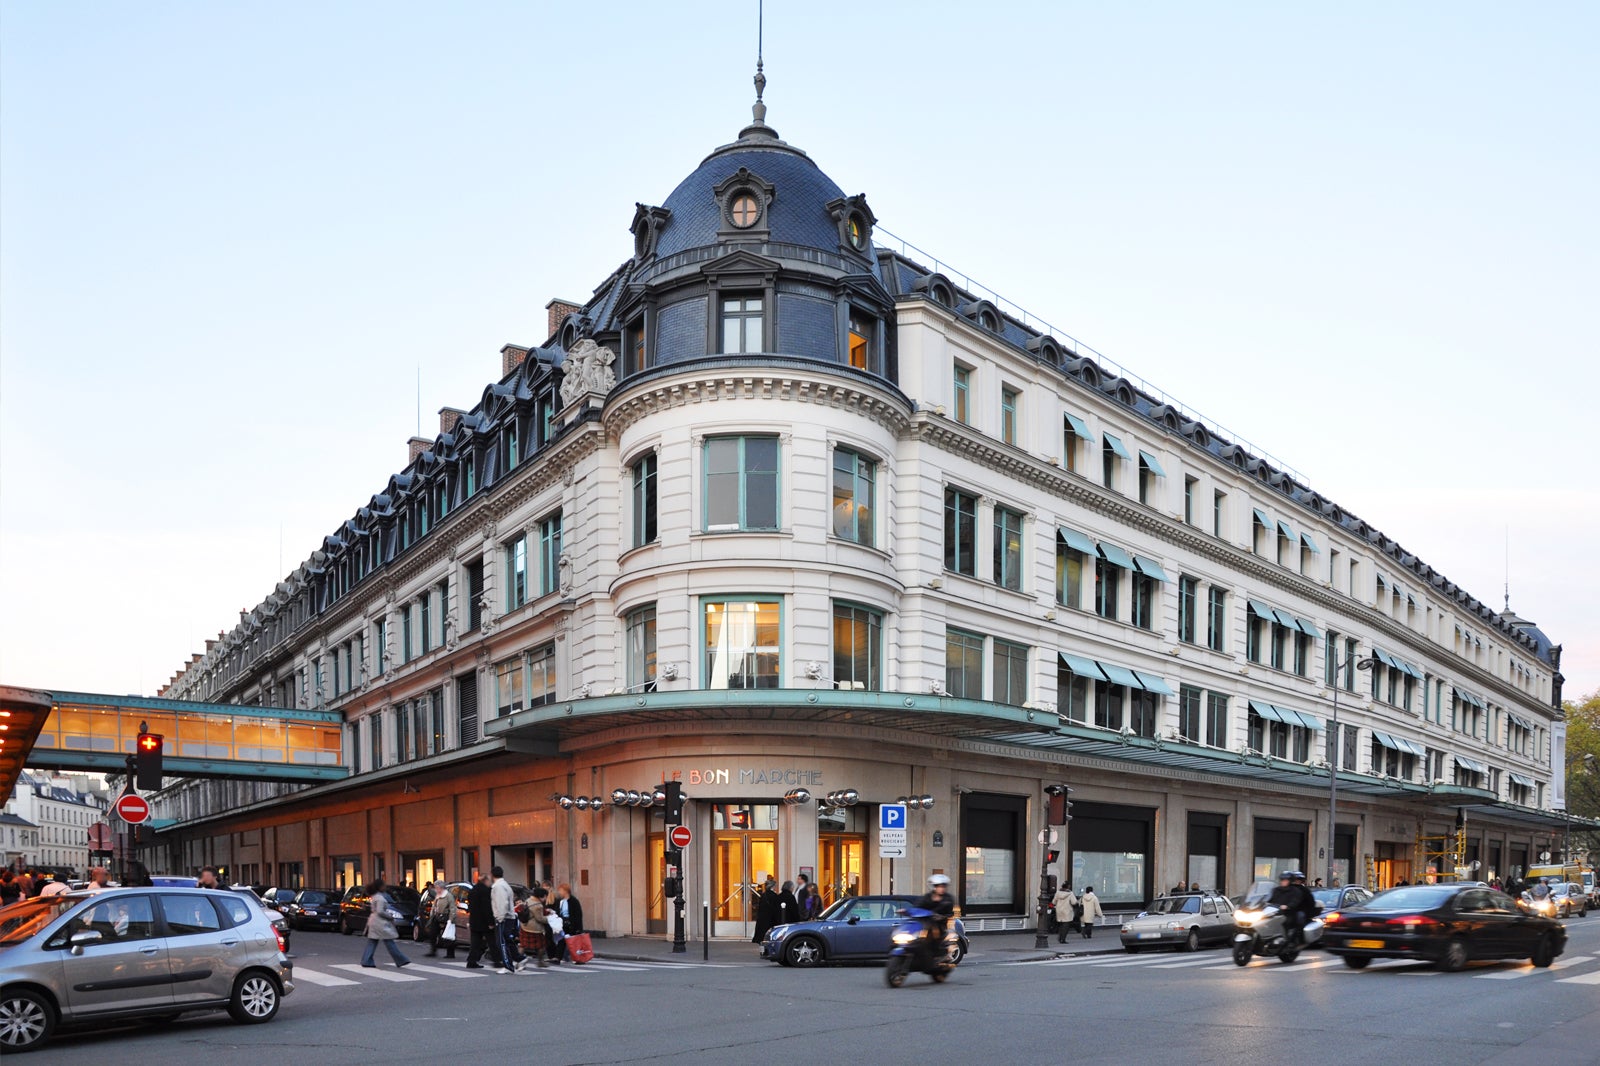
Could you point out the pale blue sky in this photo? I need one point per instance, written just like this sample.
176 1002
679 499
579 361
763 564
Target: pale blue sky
1361 236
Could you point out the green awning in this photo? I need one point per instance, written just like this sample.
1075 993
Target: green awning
1471 765
1259 608
1116 556
1305 538
1521 721
1284 618
1116 445
1308 628
1310 721
1078 428
1412 669
1386 659
1266 711
1518 779
1150 568
1385 739
1120 675
1411 746
1082 667
1152 683
1078 542
1261 516
1149 460
1283 527
1468 698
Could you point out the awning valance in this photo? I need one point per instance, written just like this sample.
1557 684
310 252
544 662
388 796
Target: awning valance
1150 461
1471 765
1078 427
1116 446
1116 556
1076 541
1150 568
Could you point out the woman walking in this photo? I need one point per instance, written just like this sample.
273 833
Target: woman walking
442 921
1066 904
1091 911
381 927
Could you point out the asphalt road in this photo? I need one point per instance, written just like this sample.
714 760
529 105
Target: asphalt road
1160 1008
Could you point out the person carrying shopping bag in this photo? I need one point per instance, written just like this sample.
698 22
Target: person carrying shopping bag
381 927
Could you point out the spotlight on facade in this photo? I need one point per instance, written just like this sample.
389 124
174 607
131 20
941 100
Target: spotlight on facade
582 803
619 796
926 802
658 798
632 796
595 803
851 797
796 796
566 802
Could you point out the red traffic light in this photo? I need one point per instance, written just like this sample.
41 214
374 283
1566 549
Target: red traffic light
149 742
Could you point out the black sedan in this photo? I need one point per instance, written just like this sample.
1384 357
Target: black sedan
313 908
1447 925
355 908
853 928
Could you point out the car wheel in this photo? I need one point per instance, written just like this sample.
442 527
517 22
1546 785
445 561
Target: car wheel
959 953
26 1020
1544 953
1357 962
255 999
1192 942
803 951
1455 956
1241 953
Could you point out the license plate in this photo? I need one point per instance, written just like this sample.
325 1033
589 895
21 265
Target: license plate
1149 936
1365 944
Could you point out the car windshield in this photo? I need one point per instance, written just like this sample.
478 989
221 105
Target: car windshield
1328 897
853 907
1176 905
1259 892
21 920
1412 897
407 896
309 897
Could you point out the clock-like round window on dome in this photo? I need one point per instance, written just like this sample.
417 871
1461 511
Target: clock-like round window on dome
744 211
856 230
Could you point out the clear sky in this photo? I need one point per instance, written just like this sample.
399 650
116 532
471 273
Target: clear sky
1362 236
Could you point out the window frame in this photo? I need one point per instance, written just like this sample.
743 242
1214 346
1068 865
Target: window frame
756 649
972 645
1014 656
961 393
956 521
645 492
858 617
743 475
1010 400
744 316
862 473
1009 564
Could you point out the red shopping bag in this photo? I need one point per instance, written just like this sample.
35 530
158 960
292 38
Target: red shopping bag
580 948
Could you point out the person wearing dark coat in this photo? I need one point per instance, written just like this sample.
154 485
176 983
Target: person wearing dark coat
480 923
788 905
769 910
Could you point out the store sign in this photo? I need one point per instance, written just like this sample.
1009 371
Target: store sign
740 775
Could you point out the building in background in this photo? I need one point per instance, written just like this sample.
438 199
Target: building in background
810 523
54 811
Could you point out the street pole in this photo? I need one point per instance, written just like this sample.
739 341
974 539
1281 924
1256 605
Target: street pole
1336 743
1041 937
680 943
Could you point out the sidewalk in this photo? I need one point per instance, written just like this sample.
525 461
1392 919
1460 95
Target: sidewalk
986 947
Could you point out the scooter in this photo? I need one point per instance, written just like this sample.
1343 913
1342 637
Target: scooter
917 948
1262 932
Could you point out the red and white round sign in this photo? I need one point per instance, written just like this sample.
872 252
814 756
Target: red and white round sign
680 836
132 809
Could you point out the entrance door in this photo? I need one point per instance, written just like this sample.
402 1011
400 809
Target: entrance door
841 871
744 852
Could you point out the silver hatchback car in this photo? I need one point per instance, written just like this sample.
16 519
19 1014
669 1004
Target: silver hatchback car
82 959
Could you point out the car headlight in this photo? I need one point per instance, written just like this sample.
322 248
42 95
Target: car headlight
1176 925
778 932
1247 917
906 938
1127 929
394 915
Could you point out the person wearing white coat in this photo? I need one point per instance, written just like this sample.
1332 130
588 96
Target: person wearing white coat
1091 911
1066 904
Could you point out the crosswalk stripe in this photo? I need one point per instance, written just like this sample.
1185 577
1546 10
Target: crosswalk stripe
445 971
1529 971
382 975
1581 979
1186 962
316 977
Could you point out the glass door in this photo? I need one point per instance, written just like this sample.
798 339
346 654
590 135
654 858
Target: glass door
744 852
842 864
734 908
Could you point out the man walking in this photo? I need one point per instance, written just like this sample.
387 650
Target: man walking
504 903
480 924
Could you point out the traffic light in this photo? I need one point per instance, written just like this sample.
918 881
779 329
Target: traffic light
1059 804
1051 856
147 753
674 812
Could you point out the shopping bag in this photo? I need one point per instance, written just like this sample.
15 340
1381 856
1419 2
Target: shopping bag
447 932
580 948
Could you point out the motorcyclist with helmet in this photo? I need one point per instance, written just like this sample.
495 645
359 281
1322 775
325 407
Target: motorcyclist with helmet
938 900
1295 902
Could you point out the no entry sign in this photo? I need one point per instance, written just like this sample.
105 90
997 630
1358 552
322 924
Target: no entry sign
680 836
132 809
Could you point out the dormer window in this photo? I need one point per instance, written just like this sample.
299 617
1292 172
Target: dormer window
744 211
856 231
742 320
744 199
862 329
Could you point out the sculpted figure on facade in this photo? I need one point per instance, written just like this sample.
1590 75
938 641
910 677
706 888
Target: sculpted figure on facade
587 369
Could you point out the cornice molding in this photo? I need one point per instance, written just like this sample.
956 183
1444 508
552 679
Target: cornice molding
697 385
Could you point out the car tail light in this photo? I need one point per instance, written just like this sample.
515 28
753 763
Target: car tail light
281 945
1332 917
1414 921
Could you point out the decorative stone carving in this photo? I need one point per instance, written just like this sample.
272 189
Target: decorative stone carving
564 567
587 370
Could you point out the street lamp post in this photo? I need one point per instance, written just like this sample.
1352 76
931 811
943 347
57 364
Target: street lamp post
1336 745
1056 813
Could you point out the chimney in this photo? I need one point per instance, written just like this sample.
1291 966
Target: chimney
511 357
556 310
449 419
416 446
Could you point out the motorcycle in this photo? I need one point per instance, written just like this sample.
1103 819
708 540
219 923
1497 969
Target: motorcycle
1262 932
917 948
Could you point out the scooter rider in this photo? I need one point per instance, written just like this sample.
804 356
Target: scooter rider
939 902
1295 902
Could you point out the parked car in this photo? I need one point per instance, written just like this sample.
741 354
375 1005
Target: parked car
855 927
1342 898
278 898
275 916
459 890
1443 924
313 908
85 960
1187 922
355 907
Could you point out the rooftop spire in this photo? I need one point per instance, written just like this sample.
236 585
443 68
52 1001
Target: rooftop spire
758 126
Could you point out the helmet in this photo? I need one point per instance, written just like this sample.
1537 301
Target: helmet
1292 875
938 879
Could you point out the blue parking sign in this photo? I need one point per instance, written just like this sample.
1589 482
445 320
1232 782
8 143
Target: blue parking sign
892 816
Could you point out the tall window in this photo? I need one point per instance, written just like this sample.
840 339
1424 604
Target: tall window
1073 692
1008 414
862 329
1216 720
1302 654
380 642
1217 619
960 532
1069 574
1010 673
641 649
1255 635
1144 600
961 388
1189 723
1280 646
1330 660
1108 705
407 631
511 692
375 740
550 554
541 673
644 500
1350 664
741 324
509 455
854 484
963 664
1073 435
1106 578
474 595
741 483
1260 533
1188 500
1188 595
425 605
517 573
1108 464
1148 472
741 644
1144 708
1217 498
1008 549
857 647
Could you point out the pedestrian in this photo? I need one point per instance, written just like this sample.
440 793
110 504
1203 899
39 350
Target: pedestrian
534 932
10 891
442 921
1090 911
480 924
25 884
381 927
54 888
210 878
99 879
570 910
1180 889
504 903
1317 883
768 910
788 904
1066 904
802 894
